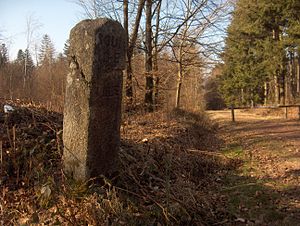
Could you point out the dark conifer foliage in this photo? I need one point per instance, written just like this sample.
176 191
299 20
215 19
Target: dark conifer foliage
262 53
3 55
47 51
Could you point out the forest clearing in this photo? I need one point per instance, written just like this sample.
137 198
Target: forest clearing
179 168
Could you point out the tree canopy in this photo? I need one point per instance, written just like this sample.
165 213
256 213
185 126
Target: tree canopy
261 51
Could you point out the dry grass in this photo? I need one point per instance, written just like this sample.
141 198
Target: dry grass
168 173
264 190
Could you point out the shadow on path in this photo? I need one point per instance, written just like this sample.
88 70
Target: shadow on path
264 190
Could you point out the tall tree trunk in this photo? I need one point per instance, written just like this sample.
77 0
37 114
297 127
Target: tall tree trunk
289 78
252 98
276 90
282 86
287 87
129 83
180 70
242 96
282 92
128 72
179 84
148 58
279 77
131 45
155 55
156 77
10 86
298 75
265 94
25 74
125 22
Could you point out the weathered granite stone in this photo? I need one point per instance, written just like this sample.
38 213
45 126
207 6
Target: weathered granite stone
92 110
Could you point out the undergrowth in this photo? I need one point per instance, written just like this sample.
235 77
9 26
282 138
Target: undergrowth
168 173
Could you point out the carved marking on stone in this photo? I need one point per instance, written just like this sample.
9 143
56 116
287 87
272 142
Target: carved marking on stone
92 112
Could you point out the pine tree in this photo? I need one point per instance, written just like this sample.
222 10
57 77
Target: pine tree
24 59
242 71
29 61
260 38
66 48
3 55
20 56
47 51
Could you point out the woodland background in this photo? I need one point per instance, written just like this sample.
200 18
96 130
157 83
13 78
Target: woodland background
183 54
172 46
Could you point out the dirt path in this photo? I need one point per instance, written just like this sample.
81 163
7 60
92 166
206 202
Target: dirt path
265 189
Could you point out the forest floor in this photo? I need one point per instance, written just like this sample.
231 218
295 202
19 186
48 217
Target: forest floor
265 188
169 172
175 168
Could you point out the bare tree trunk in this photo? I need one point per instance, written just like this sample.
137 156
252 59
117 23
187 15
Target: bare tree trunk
32 25
135 28
24 78
128 71
129 84
10 87
242 96
289 78
25 91
282 86
179 84
279 76
125 22
265 94
286 89
298 75
157 79
282 93
148 58
252 103
36 55
155 55
130 46
276 90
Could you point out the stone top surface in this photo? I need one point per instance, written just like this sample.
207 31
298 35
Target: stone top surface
100 44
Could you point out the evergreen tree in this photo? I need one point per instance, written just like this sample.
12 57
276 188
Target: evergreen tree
47 51
20 56
260 36
29 61
242 71
24 59
66 48
3 55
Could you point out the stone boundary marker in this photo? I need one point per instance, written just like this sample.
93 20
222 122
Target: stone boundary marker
92 110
